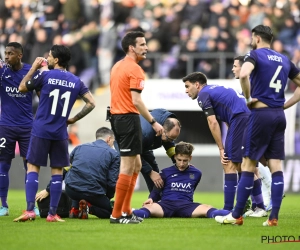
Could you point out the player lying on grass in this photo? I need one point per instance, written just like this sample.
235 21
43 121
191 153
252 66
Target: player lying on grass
175 199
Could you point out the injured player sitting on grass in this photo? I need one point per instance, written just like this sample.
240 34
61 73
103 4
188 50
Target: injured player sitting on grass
175 199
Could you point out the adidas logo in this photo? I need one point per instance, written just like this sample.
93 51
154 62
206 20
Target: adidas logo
124 221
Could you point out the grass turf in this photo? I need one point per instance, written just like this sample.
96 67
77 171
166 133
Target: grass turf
153 233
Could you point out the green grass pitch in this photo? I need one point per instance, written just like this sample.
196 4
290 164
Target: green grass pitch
153 233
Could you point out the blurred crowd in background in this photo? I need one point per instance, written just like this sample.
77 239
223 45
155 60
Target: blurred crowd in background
182 35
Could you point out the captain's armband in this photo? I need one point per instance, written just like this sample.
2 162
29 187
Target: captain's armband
170 152
29 85
209 112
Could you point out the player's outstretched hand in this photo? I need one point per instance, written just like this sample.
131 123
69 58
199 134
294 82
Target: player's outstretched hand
156 178
41 195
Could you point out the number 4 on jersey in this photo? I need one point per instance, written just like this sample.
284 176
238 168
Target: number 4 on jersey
274 83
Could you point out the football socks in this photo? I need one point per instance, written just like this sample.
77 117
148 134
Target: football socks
55 192
4 182
230 184
276 193
244 190
257 194
31 187
126 208
122 187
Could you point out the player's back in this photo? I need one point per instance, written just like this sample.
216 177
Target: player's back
226 102
180 185
16 107
59 90
270 76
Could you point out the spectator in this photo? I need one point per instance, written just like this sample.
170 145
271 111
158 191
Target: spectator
256 15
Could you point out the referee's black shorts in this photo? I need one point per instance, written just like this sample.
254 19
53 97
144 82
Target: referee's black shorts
128 133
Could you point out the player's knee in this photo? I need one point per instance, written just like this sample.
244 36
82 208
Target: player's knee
4 167
229 168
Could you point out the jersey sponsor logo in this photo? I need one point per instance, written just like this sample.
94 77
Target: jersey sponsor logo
12 89
181 185
14 92
60 82
274 58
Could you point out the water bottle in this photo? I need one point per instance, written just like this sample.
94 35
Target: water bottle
44 63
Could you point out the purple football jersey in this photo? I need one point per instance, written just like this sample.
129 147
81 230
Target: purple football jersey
178 185
16 107
270 76
225 102
59 90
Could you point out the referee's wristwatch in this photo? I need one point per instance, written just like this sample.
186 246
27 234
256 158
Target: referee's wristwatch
152 121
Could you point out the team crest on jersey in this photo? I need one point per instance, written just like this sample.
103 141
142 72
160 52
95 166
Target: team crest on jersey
192 176
142 84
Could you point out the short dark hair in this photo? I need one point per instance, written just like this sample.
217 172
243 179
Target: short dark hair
63 54
195 77
265 32
130 39
104 132
169 124
240 59
184 148
16 46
